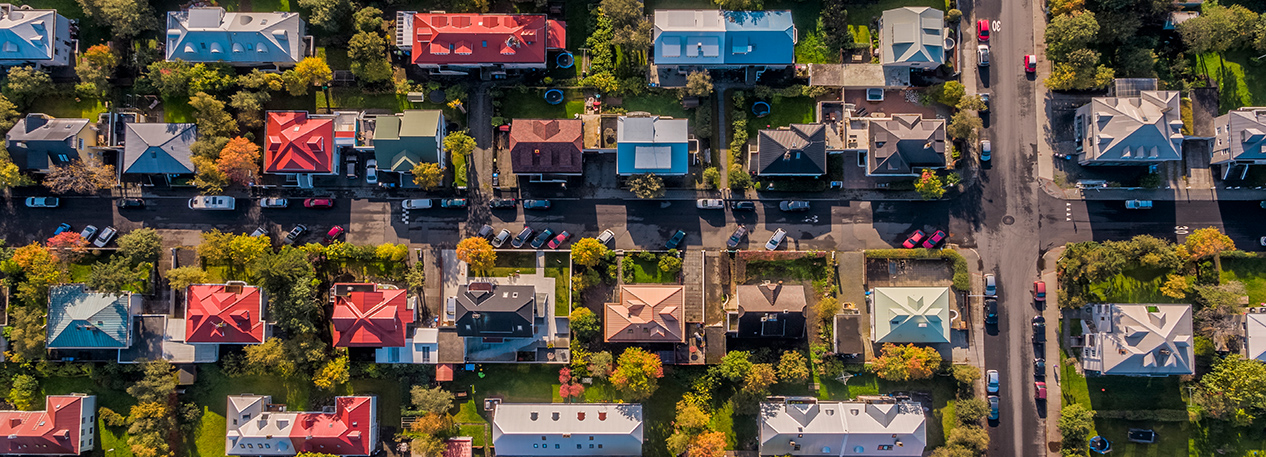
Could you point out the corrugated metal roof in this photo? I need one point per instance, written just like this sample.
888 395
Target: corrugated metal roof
78 318
158 148
212 35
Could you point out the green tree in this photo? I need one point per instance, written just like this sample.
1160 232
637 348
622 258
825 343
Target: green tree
972 102
435 399
600 364
9 115
637 37
366 46
250 107
691 417
908 362
140 245
115 276
793 367
588 252
126 18
96 65
970 410
26 340
929 186
1070 32
948 93
158 384
637 374
427 175
1062 7
327 15
269 358
210 78
735 365
477 253
311 71
1229 392
699 84
368 19
966 375
712 177
670 264
10 175
738 5
209 114
25 84
1219 29
647 186
622 12
1075 423
237 250
290 281
373 71
257 80
209 179
183 277
970 437
170 78
964 125
25 393
459 145
584 324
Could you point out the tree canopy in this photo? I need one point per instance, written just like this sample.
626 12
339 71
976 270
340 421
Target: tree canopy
637 373
477 253
904 363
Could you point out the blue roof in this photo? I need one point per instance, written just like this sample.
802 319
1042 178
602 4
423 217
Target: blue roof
212 35
29 35
709 37
79 319
158 148
651 145
626 158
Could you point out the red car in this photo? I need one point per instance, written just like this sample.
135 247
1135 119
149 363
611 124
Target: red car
318 203
934 239
982 30
559 240
914 239
1030 63
333 234
1039 388
1039 290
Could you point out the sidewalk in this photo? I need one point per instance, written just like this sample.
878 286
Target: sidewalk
1054 399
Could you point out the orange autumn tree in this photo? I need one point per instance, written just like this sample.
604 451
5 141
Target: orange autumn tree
67 246
710 444
904 363
239 161
477 253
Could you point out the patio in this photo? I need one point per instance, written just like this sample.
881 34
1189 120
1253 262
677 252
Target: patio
895 102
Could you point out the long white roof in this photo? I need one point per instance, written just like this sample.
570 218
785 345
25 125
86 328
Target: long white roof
557 429
854 428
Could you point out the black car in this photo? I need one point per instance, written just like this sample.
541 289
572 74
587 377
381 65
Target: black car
745 205
736 238
543 238
1039 368
295 233
131 203
1039 329
991 311
521 238
502 203
675 240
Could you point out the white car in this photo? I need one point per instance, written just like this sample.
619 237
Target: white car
42 202
273 202
711 203
88 232
776 240
986 150
208 202
371 171
417 203
982 55
606 237
106 236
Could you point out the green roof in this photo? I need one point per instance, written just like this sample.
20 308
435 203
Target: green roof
79 319
402 141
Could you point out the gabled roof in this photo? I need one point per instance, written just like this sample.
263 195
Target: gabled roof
808 427
647 314
158 148
712 37
57 430
28 35
904 143
910 315
1143 129
547 146
1139 340
798 150
1240 135
224 314
913 35
770 311
258 427
209 34
473 39
407 139
298 143
36 136
495 311
79 319
651 145
367 315
577 429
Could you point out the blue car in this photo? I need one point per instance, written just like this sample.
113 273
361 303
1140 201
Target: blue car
675 240
61 228
993 407
991 377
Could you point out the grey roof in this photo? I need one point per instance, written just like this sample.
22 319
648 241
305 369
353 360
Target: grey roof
900 145
79 319
27 35
155 337
158 148
1138 339
492 310
797 150
407 139
209 34
37 136
804 426
913 35
1240 135
910 314
1255 335
577 429
1125 130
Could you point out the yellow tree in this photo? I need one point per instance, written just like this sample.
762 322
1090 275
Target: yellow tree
904 363
427 175
311 71
710 444
587 251
637 373
239 161
1208 241
477 253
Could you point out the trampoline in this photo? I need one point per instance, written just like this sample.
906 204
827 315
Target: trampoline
760 109
553 96
565 60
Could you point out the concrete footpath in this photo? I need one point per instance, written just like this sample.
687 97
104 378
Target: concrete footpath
1054 399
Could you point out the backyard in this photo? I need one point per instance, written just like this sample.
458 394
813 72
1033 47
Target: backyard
531 105
67 106
1133 285
1240 80
509 263
558 266
783 112
1249 270
643 268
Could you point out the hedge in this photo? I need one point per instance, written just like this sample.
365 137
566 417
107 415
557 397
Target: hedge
962 278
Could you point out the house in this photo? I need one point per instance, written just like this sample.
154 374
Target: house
1140 130
567 429
913 37
300 145
255 426
655 145
247 39
423 348
796 150
1137 339
81 319
910 314
231 313
1239 139
371 315
769 310
646 313
158 149
38 37
456 43
1255 334
904 144
495 310
404 140
547 149
39 141
883 426
712 39
66 426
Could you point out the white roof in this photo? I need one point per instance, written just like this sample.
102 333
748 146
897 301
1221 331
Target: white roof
176 350
209 34
247 422
910 314
651 130
1139 339
529 429
1255 333
913 35
842 428
1143 129
653 157
423 347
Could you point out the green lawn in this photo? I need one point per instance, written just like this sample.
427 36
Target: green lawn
510 262
390 394
531 105
1073 387
558 266
1134 393
356 98
470 412
1172 439
577 14
1137 285
1249 270
661 102
647 271
90 32
176 110
475 432
807 268
65 106
1240 79
783 112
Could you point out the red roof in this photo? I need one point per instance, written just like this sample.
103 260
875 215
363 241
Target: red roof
219 313
53 431
348 431
444 372
298 144
472 39
459 447
371 317
547 146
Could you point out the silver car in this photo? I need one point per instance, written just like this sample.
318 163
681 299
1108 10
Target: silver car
776 240
501 238
273 202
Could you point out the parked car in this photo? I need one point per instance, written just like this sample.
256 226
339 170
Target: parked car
710 203
371 171
542 238
105 237
991 311
1039 291
1138 204
501 203
991 285
260 231
559 240
982 55
1030 63
536 204
485 231
351 166
453 203
776 240
982 30
1039 389
209 202
675 240
333 234
736 238
295 233
793 205
417 203
993 381
125 203
1039 368
745 205
984 98
501 238
42 202
606 237
88 233
934 240
1039 329
522 237
993 407
914 239
319 203
986 150
273 202
61 228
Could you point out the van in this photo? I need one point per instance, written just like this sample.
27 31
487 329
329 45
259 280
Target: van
207 202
